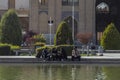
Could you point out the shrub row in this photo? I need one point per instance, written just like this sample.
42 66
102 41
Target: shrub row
4 50
67 48
7 49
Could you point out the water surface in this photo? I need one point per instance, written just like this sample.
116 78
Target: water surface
59 72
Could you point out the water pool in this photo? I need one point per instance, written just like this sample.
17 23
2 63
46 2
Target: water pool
59 72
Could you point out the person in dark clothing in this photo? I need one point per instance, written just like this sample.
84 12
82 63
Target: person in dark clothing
61 54
45 54
54 54
64 55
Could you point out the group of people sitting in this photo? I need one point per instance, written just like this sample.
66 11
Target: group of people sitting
58 55
54 54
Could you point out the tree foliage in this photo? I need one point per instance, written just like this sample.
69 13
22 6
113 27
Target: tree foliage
10 28
111 38
63 34
69 21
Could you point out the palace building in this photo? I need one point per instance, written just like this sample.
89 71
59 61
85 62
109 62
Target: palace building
90 15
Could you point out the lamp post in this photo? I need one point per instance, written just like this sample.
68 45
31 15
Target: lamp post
50 23
73 20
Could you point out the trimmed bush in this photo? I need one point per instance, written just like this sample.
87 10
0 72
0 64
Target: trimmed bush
11 29
39 44
68 49
13 47
69 21
7 49
39 38
63 34
4 50
39 50
111 38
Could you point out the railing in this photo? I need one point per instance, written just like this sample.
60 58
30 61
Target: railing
29 51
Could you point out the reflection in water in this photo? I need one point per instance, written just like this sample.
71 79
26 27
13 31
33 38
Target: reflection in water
112 73
73 73
56 72
100 75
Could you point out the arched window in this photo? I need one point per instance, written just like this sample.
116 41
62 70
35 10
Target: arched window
3 4
102 8
70 2
22 4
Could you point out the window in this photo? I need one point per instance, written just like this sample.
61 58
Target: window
70 2
43 2
102 8
3 4
22 4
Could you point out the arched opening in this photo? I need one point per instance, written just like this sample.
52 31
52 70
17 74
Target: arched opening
107 11
102 18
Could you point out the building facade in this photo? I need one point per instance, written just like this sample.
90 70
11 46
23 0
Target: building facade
91 16
35 14
58 10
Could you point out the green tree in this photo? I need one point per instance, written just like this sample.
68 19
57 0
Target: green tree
69 21
10 28
111 38
63 34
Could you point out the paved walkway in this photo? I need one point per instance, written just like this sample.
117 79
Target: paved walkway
105 56
108 58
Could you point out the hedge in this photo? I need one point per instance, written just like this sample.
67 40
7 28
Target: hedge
67 48
4 50
7 49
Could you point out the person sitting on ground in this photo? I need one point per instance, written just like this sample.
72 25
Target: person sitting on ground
59 54
62 54
54 54
45 53
75 54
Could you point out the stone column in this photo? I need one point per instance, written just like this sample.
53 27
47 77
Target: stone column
82 16
34 15
90 16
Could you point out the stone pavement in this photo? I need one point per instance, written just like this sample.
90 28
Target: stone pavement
107 58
